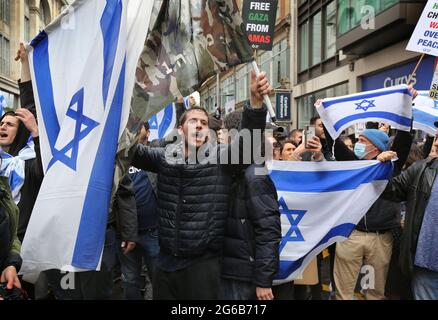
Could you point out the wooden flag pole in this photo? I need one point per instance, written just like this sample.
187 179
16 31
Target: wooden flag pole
265 97
415 70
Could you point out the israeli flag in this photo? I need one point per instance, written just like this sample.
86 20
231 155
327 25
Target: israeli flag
162 123
425 111
82 67
390 105
320 204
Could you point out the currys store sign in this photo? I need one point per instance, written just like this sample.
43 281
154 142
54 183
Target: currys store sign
400 75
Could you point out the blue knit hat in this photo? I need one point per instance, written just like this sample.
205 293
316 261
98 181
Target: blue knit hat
379 138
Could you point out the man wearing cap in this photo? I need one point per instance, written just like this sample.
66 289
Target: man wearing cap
369 248
418 186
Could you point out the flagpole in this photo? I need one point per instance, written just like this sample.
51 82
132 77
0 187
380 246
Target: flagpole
265 97
415 70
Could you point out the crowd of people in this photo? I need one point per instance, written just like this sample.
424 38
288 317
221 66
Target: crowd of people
212 229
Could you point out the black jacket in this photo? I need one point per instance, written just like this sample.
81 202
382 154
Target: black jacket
414 186
34 173
193 198
383 215
124 213
253 231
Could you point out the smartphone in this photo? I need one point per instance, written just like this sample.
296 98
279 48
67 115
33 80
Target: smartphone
308 135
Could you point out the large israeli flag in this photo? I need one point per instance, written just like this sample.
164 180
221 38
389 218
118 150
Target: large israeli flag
83 67
425 112
390 105
320 204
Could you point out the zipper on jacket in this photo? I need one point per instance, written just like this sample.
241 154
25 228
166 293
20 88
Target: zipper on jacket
178 212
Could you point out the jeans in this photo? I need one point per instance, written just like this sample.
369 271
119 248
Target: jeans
237 290
90 285
425 284
131 264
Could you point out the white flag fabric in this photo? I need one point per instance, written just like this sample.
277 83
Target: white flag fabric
425 111
83 77
320 204
390 105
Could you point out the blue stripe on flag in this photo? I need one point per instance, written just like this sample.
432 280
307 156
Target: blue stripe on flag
166 121
377 114
289 267
40 37
365 96
424 118
110 25
91 233
329 181
45 88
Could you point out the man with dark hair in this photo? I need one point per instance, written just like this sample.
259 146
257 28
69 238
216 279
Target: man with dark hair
320 133
193 198
296 136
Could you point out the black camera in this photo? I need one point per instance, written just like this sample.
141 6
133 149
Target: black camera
12 294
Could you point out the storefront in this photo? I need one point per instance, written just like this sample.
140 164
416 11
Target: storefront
400 74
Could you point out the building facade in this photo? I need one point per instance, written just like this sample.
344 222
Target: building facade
347 46
20 21
233 87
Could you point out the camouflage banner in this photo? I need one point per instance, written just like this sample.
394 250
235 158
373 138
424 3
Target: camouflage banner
189 41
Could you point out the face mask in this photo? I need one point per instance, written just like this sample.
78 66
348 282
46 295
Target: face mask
360 150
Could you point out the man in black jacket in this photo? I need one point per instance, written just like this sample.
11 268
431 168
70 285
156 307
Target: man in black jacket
252 238
193 199
252 235
418 252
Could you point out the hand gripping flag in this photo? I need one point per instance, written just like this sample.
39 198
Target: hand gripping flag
83 67
425 112
320 204
390 105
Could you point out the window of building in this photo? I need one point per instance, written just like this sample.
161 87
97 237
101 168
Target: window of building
5 11
306 108
242 83
5 55
316 38
211 99
44 14
228 88
351 12
330 30
276 63
26 21
304 46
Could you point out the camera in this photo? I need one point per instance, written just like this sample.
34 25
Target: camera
12 294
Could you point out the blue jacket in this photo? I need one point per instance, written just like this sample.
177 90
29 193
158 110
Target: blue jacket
145 199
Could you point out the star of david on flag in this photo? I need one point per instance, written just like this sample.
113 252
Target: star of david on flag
365 105
294 217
